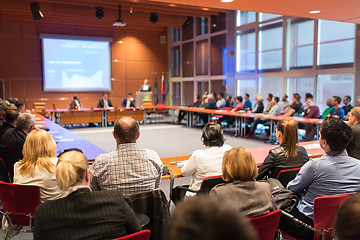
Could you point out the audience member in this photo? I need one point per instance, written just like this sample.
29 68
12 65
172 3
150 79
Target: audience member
295 107
206 162
347 219
332 174
10 114
259 106
128 168
210 103
83 214
228 101
247 103
239 105
204 98
104 102
269 98
233 102
337 111
38 165
250 197
12 142
20 106
129 101
75 104
328 109
347 105
287 155
220 103
182 113
353 149
311 111
202 218
146 86
285 106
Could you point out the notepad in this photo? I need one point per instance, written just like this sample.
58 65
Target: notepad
179 164
312 146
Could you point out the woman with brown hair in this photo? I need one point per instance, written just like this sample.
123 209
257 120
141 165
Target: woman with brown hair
287 155
252 198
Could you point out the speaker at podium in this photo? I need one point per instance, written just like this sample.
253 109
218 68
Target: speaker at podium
140 96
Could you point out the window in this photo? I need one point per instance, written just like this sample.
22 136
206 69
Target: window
243 17
270 46
336 44
188 93
245 50
267 16
300 48
201 26
218 55
270 85
176 93
247 86
175 34
202 87
301 85
329 85
188 60
218 86
188 29
218 22
175 61
202 57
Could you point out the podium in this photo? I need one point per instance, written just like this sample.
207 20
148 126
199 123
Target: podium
140 96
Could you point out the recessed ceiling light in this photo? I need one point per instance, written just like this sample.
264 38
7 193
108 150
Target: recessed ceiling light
227 0
205 9
315 12
172 5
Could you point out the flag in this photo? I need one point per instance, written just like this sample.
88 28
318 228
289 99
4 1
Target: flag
167 87
162 88
155 91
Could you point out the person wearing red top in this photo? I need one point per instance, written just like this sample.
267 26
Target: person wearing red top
311 111
239 105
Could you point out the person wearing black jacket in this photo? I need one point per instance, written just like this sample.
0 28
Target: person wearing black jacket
183 113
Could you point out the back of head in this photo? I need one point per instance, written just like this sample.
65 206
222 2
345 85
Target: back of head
202 218
347 219
290 136
212 135
210 96
239 98
10 113
71 169
25 121
329 102
260 98
355 111
239 164
336 133
126 130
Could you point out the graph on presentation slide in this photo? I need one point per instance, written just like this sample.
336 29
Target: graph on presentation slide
79 81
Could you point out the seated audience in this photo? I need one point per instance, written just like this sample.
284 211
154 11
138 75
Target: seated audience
129 101
75 104
20 106
337 111
38 165
228 101
220 103
182 113
328 109
204 98
10 115
296 109
250 197
247 103
128 169
233 102
259 106
104 102
210 103
311 111
12 142
239 105
347 219
347 105
287 155
332 174
202 218
269 98
206 162
285 106
353 149
83 214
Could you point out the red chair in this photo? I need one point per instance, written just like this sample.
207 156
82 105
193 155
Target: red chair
286 175
142 235
325 209
19 203
266 225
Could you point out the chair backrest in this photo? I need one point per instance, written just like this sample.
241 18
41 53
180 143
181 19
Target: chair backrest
325 209
161 110
209 182
19 201
286 175
266 225
4 172
142 235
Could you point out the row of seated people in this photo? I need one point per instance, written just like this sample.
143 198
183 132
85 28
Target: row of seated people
104 102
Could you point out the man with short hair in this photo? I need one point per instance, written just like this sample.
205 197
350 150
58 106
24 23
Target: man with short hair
285 106
311 111
129 101
12 142
247 103
337 111
104 102
128 168
347 105
146 86
20 106
220 103
295 107
75 104
11 115
332 174
269 98
353 148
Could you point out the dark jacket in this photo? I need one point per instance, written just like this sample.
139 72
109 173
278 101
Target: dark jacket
132 103
259 108
85 215
143 90
101 103
4 127
73 105
211 104
353 149
276 161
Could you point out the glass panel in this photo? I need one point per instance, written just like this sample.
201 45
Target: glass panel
188 92
188 29
202 57
175 61
267 16
270 47
188 60
329 85
270 85
218 55
202 87
243 17
335 42
245 51
201 25
218 86
301 43
218 22
175 34
300 86
247 86
176 93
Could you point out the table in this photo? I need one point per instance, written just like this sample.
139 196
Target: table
259 153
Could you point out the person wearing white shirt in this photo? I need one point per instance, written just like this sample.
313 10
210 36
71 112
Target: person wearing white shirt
129 101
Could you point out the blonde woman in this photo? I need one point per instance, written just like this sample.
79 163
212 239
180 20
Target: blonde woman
38 165
83 214
252 198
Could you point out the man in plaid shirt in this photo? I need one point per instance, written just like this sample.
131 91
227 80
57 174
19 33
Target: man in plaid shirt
128 168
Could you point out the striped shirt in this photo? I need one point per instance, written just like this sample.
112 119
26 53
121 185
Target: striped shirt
128 169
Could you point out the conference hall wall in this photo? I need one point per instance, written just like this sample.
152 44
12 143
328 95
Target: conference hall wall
135 55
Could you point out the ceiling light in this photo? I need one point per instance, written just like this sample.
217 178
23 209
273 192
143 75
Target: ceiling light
315 12
119 22
153 17
227 1
99 12
35 10
172 5
205 9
